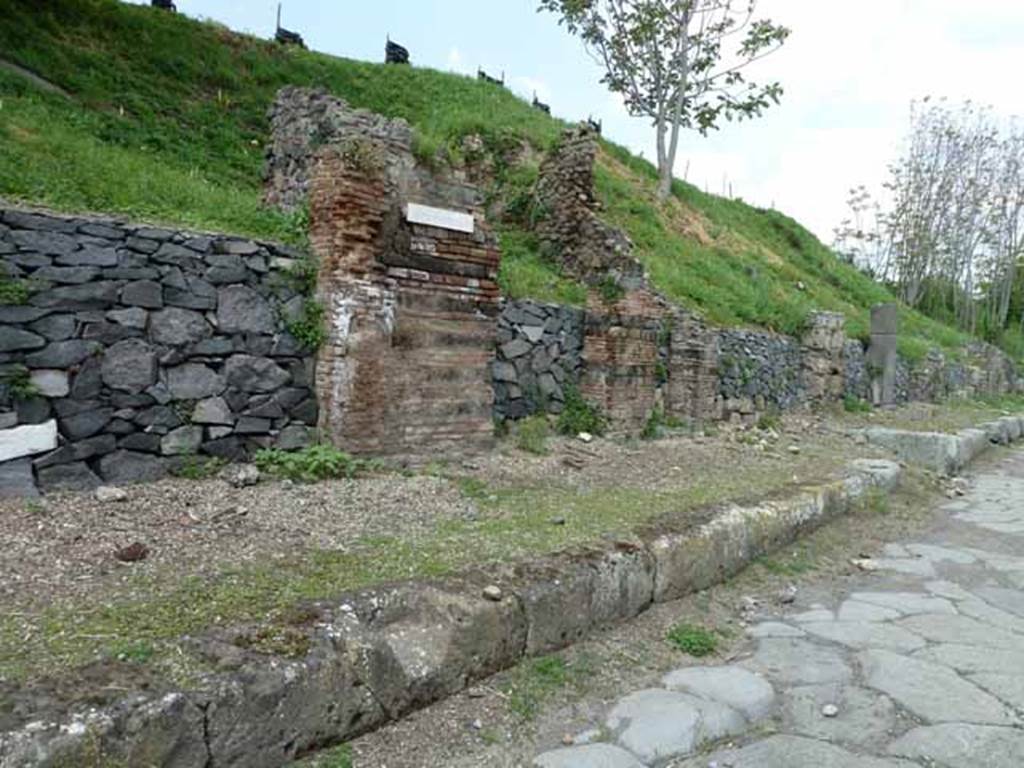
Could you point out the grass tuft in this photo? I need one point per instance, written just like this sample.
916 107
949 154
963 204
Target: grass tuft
693 639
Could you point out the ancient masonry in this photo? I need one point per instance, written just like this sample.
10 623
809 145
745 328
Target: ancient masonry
137 347
407 273
126 348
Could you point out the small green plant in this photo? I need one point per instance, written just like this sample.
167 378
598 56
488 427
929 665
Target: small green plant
339 757
198 467
579 415
473 488
610 289
296 226
13 291
853 404
302 275
876 500
536 680
532 434
768 421
693 639
308 328
136 652
18 383
652 427
317 462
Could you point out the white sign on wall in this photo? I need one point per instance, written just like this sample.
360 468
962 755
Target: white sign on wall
439 217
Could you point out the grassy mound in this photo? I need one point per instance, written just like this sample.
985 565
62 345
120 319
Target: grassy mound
166 122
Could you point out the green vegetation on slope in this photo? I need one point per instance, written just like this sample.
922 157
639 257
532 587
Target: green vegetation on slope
168 122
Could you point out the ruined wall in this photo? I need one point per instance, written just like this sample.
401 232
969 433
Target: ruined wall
568 225
624 349
539 354
412 308
692 385
822 346
131 347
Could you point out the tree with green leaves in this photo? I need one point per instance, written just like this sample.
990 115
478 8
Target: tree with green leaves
678 62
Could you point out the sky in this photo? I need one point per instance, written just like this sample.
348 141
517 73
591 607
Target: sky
849 70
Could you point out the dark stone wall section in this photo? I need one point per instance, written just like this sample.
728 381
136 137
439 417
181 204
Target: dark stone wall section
539 353
142 346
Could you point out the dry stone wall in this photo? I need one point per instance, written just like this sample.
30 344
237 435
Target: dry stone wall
539 355
137 346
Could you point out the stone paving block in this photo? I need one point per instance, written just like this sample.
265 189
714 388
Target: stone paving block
931 691
961 745
743 690
588 756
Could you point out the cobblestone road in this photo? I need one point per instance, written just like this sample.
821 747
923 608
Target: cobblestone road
921 664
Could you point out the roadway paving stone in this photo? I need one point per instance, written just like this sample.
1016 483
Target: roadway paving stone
959 745
744 691
864 718
588 756
931 691
790 661
866 634
785 751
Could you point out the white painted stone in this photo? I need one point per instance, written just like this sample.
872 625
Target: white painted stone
439 217
50 383
27 440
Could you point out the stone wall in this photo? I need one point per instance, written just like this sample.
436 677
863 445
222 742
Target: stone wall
759 371
568 225
539 354
856 381
141 346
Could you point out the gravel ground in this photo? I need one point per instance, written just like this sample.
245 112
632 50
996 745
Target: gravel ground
63 546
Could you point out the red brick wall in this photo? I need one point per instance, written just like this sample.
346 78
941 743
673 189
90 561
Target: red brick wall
411 314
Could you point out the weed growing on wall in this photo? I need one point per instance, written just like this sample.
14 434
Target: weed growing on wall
308 327
853 404
18 384
578 415
13 291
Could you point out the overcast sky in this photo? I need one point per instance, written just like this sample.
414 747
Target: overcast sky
850 71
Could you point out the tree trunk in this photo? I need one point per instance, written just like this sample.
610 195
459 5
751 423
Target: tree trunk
665 171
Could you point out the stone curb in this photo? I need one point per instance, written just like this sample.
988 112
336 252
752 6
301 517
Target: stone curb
946 453
383 652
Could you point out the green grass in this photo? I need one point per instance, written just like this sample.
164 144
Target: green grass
536 681
692 639
526 274
747 266
532 434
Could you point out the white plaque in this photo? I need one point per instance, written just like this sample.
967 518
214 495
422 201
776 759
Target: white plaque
439 217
